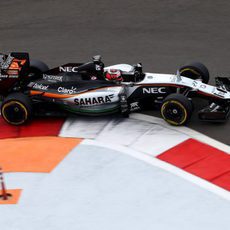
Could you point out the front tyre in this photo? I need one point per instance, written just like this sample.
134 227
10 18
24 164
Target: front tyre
16 109
176 109
195 70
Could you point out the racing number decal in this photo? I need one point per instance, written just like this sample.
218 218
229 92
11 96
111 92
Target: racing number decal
194 83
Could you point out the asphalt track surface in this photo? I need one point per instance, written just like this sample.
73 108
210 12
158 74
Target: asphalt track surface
162 35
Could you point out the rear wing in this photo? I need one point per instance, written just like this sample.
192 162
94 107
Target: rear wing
13 67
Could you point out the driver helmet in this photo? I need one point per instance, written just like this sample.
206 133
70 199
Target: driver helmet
113 75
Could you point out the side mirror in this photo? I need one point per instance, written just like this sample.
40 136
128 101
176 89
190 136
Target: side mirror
178 75
97 58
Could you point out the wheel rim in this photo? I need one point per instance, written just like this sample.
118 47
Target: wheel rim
174 112
14 112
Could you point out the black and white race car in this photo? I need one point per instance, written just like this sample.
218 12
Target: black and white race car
29 87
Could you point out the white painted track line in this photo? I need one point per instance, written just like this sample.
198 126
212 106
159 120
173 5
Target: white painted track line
163 165
185 130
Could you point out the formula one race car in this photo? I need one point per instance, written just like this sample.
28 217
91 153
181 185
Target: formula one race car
29 87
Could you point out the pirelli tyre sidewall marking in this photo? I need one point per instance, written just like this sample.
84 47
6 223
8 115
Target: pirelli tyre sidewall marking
10 103
185 115
189 69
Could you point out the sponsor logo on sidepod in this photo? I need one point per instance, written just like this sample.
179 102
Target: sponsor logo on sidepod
134 106
40 86
93 100
52 77
72 90
154 90
68 69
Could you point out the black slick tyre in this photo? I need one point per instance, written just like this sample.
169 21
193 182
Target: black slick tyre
195 70
176 109
16 109
36 68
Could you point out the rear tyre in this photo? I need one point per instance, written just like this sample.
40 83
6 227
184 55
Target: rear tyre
16 109
176 109
195 70
37 68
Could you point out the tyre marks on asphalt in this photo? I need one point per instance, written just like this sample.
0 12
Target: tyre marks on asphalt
133 133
